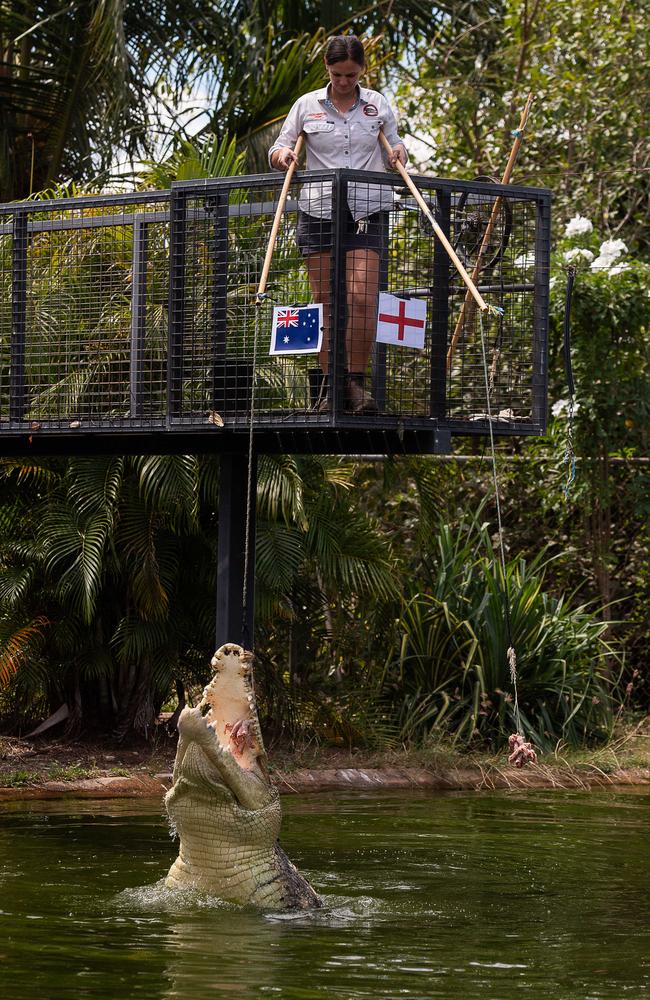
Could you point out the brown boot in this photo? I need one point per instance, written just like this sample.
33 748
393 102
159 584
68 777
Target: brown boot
357 399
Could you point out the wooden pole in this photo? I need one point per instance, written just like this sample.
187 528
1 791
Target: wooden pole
467 307
261 288
472 289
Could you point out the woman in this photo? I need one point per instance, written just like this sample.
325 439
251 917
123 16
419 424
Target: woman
341 125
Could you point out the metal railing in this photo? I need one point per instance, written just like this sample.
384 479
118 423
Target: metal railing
134 316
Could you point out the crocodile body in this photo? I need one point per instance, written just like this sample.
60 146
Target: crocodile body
222 803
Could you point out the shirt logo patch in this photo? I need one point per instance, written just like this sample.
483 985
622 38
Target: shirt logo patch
370 110
316 114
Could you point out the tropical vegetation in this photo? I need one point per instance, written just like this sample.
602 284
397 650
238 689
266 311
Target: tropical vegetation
385 610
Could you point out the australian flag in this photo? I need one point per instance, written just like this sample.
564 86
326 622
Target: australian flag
297 329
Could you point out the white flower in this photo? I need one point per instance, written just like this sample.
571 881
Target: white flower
601 263
578 254
613 248
605 261
610 250
578 226
562 406
553 282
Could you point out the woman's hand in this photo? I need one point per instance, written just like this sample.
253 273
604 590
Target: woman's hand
398 155
284 157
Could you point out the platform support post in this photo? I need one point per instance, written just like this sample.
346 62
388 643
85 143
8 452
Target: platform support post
233 488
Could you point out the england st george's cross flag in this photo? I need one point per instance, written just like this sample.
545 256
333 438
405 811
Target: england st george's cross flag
297 329
401 321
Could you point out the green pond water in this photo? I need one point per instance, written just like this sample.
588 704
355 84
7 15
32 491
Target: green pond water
490 896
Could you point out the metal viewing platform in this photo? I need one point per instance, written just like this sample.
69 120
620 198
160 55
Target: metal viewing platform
127 322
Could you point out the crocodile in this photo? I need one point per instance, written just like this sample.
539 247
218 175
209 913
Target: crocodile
222 803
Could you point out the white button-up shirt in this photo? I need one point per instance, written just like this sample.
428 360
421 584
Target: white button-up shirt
341 139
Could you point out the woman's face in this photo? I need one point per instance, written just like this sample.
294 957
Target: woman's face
344 77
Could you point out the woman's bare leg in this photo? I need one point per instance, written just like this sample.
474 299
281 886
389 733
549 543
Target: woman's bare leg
362 277
362 280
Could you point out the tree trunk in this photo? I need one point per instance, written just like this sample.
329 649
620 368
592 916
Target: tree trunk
138 708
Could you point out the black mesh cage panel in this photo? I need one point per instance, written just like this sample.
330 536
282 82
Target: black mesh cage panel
132 321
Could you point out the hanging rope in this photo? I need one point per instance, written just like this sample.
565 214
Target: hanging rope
522 752
247 639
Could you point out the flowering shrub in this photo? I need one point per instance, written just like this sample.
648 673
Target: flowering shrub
578 226
603 519
580 246
609 322
578 254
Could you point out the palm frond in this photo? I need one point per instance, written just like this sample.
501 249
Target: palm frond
37 472
94 484
18 645
279 555
350 554
280 490
15 584
74 554
205 156
170 483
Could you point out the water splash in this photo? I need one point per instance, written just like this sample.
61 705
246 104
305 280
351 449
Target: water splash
160 897
337 911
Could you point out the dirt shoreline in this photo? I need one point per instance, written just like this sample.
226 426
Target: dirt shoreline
103 769
371 779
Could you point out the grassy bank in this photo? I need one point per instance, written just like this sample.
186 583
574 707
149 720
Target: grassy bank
29 765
